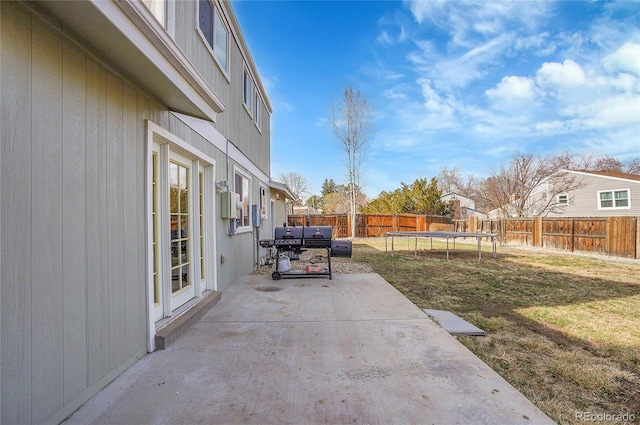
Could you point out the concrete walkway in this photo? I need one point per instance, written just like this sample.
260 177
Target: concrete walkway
351 350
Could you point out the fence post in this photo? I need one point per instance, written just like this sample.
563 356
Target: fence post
473 223
537 231
572 235
637 238
610 235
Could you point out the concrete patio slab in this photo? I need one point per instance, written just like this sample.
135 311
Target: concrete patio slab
351 350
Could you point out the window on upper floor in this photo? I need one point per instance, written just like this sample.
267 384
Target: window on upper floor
214 32
614 199
258 113
247 91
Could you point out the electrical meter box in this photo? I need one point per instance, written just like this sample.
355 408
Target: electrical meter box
229 203
256 216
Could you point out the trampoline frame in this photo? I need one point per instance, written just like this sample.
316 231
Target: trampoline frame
446 235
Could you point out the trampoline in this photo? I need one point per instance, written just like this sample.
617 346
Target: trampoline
441 235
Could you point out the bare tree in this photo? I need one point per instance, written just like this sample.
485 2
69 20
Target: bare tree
450 180
592 162
351 123
298 186
528 186
633 166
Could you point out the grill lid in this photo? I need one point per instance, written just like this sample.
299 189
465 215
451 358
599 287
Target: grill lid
317 232
288 233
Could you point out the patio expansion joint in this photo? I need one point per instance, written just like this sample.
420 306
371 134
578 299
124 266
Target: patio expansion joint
318 321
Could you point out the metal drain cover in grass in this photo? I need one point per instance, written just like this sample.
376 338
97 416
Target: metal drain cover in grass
453 324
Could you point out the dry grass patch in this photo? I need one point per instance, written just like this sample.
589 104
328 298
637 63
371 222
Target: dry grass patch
563 329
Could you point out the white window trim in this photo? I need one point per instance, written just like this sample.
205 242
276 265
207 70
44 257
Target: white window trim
247 227
168 141
258 108
225 72
566 202
246 73
265 206
613 207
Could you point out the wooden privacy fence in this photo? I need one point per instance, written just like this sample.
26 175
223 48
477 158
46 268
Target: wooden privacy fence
370 225
615 236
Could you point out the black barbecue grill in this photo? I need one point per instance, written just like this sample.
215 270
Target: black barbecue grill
298 239
288 237
317 236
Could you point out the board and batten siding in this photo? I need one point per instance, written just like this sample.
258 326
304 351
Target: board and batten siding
584 200
235 122
238 249
73 299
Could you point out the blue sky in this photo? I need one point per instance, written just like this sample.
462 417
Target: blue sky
463 84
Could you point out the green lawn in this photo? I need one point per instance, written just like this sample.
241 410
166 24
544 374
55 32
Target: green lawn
563 329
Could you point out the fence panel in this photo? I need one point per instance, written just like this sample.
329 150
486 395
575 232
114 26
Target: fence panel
590 234
338 222
557 233
621 236
375 225
407 223
519 231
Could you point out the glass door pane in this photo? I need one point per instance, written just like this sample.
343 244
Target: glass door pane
180 235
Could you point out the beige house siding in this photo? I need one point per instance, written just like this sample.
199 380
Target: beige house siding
583 202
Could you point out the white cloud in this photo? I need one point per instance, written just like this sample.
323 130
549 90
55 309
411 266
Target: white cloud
439 112
538 44
560 75
625 59
458 71
396 94
513 88
384 38
606 112
467 20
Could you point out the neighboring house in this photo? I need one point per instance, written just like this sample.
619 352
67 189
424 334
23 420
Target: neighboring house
600 194
131 131
463 206
590 194
306 210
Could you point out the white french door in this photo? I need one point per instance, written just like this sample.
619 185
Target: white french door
181 215
181 222
180 199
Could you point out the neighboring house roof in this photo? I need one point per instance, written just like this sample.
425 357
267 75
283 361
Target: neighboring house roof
471 211
611 174
281 187
468 202
306 210
454 195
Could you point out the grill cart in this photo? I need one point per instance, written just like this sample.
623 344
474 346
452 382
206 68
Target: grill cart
291 242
